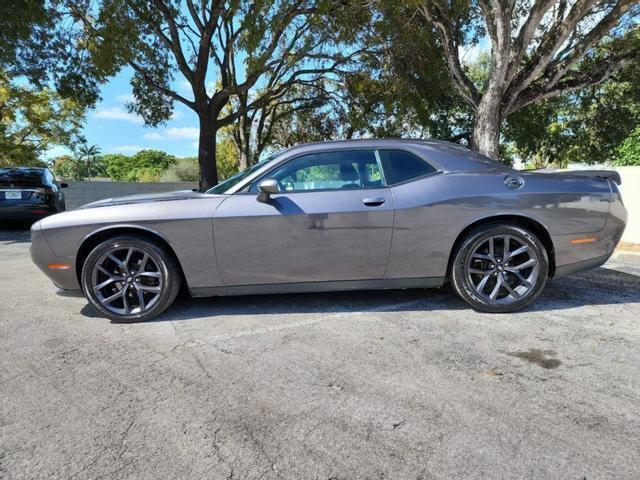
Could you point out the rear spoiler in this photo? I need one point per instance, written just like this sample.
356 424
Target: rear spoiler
606 174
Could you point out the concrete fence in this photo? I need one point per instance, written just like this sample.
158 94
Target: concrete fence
80 193
630 190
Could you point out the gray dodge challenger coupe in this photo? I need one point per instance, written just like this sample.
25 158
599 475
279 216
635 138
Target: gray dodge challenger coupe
349 215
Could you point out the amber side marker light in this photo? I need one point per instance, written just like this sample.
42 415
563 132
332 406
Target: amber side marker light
59 266
578 241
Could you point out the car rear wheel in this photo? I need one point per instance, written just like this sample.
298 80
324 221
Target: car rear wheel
130 279
500 268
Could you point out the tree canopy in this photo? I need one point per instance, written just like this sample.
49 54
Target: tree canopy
539 49
33 120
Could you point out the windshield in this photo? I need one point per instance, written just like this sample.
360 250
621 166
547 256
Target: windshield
21 176
222 187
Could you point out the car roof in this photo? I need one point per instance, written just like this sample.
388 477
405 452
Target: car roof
446 157
22 169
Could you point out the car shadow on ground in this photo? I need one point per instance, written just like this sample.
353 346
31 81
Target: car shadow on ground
14 232
602 286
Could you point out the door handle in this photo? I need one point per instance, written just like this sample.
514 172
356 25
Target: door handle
373 202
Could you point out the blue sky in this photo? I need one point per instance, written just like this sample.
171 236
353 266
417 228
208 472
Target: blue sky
115 130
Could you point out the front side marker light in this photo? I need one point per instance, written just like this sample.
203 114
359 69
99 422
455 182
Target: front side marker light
578 241
59 266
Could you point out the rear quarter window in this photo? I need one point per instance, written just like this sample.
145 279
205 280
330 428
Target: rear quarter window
400 166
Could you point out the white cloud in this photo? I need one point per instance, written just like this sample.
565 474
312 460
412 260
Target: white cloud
174 133
125 98
153 136
116 113
129 148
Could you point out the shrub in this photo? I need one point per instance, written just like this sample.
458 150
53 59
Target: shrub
628 154
185 170
145 166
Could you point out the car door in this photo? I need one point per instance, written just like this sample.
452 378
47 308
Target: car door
331 221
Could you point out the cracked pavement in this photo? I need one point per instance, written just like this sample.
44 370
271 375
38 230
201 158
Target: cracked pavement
393 384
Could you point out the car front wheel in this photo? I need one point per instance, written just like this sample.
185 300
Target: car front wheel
500 268
130 279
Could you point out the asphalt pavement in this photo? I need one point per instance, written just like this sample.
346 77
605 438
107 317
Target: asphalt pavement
407 384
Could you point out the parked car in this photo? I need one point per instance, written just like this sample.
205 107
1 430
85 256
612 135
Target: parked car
366 214
29 193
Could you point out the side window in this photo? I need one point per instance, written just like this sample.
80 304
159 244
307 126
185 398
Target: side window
349 169
50 180
400 166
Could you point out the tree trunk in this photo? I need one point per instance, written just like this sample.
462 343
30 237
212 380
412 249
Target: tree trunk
244 143
207 152
486 130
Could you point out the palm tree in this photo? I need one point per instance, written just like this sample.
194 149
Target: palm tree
89 152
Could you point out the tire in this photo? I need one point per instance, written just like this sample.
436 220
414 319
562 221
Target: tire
476 271
143 290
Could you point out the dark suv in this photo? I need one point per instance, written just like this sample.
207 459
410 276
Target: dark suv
28 193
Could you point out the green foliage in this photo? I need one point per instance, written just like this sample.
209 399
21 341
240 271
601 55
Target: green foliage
188 170
76 168
41 46
146 165
628 154
89 153
32 120
586 127
67 167
538 134
396 90
185 170
17 21
226 158
400 90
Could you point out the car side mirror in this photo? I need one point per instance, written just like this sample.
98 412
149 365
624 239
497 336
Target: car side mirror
267 187
64 185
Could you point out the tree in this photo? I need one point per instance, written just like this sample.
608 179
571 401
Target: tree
397 89
89 153
222 49
587 126
68 167
254 129
539 49
32 120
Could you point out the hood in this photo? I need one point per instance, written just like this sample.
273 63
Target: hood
145 198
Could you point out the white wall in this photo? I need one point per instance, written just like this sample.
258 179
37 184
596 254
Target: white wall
630 190
80 193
